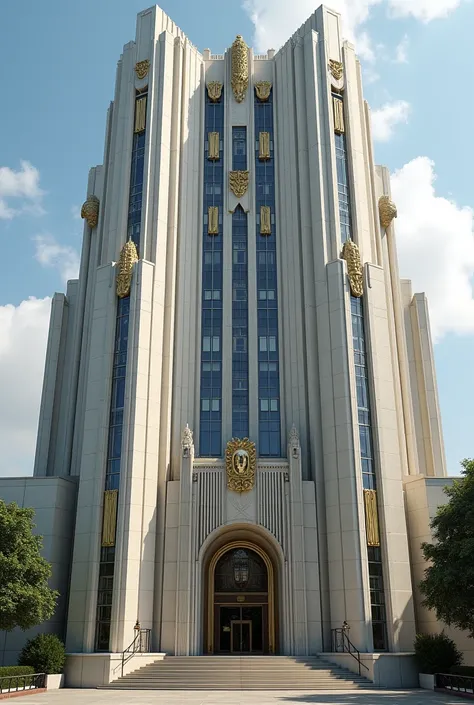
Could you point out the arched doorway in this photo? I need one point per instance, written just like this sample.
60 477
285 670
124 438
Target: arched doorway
241 605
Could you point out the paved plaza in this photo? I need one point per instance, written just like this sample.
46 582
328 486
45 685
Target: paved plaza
186 697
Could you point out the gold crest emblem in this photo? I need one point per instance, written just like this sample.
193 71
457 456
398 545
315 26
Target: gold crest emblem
214 91
239 183
263 89
350 252
241 464
128 257
90 211
141 68
336 68
240 68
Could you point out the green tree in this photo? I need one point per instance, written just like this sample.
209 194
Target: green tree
25 598
448 586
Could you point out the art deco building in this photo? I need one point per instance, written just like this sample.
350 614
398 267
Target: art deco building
238 380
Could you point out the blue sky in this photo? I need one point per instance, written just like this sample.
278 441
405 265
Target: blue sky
57 76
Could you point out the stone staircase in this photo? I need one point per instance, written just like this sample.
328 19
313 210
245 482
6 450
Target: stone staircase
240 673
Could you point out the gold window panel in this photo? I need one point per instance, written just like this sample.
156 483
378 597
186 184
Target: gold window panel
110 517
264 146
213 141
265 220
140 114
371 518
338 110
213 220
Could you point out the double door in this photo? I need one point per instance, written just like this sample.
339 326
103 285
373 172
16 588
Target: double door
241 629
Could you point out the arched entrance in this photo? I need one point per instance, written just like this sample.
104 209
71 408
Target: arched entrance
241 604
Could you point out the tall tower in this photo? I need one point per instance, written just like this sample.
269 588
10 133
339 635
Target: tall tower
234 375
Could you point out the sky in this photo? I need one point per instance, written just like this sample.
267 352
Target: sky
57 74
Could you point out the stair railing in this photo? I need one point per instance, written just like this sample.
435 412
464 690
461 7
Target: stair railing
342 644
140 645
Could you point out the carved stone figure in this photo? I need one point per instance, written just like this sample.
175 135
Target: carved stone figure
187 441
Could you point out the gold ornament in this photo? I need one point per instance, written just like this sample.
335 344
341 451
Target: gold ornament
213 220
387 211
263 90
109 520
336 68
338 112
128 257
90 211
214 91
140 114
141 68
350 252
264 146
239 183
240 68
265 220
371 518
241 464
213 148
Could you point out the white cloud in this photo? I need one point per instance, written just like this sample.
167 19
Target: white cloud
23 337
424 10
386 118
436 247
23 187
401 51
76 212
50 253
276 20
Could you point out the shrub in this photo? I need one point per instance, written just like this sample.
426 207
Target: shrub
436 653
463 671
16 671
45 653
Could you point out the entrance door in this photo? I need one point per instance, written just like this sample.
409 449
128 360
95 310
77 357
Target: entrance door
241 636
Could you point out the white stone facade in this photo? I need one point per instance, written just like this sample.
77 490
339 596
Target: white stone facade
306 510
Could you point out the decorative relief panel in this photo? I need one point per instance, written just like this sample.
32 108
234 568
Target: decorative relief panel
350 252
371 518
214 91
240 68
210 502
213 220
90 211
241 464
336 72
239 183
109 521
264 146
265 220
272 503
338 111
387 211
213 142
142 68
140 114
263 90
128 257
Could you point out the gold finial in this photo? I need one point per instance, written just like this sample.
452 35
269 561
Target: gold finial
128 257
350 252
90 211
387 211
240 68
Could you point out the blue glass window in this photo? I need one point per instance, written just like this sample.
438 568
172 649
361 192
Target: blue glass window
239 148
210 437
240 360
114 449
267 295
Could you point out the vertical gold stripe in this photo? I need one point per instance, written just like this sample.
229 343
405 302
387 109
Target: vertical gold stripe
371 518
140 114
338 110
265 220
264 146
110 517
213 220
213 141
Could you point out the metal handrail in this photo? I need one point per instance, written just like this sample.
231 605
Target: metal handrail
141 644
455 682
29 681
342 644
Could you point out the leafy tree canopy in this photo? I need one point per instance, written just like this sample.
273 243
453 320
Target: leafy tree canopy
25 598
448 586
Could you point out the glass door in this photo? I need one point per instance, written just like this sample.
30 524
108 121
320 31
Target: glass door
241 636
